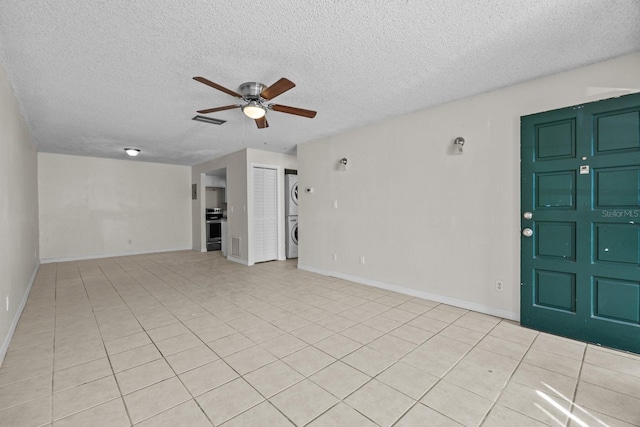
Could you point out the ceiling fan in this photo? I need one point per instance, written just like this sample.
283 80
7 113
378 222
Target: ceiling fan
255 95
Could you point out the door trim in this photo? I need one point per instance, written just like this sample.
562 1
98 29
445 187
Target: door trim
561 274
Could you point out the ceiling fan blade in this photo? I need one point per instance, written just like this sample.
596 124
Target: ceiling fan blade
262 122
217 86
293 110
212 110
278 88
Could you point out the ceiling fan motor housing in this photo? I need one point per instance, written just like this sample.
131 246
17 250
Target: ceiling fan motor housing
251 90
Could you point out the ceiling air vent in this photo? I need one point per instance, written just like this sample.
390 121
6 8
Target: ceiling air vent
210 120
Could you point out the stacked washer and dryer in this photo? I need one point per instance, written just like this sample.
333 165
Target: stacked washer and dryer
291 219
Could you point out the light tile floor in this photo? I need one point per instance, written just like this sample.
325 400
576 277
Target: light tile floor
190 339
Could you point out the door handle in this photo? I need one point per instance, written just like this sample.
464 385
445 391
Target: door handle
527 232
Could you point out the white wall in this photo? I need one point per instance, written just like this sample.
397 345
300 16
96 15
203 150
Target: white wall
18 212
236 165
214 198
93 207
428 222
239 194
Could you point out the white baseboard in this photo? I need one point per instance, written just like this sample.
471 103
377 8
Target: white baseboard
492 311
238 260
98 256
14 323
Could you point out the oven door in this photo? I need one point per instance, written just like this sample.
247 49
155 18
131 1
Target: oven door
214 235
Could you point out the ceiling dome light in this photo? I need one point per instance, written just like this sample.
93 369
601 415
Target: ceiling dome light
132 151
253 110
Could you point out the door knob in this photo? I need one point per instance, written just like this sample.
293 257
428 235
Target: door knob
527 232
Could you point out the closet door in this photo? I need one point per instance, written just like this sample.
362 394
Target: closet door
265 214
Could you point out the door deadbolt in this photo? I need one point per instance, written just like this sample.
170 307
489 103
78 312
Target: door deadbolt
527 232
527 215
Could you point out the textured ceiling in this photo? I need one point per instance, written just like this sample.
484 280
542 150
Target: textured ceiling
95 76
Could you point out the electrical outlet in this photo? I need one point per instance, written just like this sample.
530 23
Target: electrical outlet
361 259
499 285
335 257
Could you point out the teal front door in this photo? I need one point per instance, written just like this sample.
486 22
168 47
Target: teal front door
580 207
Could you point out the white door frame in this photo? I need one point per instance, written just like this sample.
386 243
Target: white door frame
202 214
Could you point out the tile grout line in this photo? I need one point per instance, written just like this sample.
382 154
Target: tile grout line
417 401
339 400
107 356
250 288
220 385
504 386
304 378
575 405
445 374
124 301
265 399
398 360
162 356
84 286
115 378
575 390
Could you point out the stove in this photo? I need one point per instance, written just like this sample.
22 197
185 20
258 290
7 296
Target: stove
213 213
214 229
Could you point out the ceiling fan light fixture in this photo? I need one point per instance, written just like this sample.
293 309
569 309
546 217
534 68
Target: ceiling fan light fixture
132 151
254 110
255 96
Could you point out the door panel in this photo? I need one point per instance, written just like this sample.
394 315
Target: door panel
617 243
617 300
617 187
556 140
581 182
618 131
556 240
555 290
556 190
